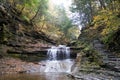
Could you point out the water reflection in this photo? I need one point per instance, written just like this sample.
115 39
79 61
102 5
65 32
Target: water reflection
36 76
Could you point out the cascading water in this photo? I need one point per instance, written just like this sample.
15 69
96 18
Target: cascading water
55 53
58 59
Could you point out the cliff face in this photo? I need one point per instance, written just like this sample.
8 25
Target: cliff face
19 34
95 58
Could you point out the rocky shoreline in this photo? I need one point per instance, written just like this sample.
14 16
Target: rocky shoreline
90 72
85 70
12 65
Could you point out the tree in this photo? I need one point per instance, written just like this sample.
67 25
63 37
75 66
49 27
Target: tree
102 16
85 10
58 18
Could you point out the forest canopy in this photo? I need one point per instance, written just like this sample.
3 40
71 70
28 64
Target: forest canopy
100 17
53 20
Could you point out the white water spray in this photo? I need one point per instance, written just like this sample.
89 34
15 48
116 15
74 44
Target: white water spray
54 62
61 51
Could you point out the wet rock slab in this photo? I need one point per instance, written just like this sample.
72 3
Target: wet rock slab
95 75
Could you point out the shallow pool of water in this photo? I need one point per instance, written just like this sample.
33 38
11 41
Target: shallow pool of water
36 76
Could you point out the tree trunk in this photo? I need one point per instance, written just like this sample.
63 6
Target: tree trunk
102 4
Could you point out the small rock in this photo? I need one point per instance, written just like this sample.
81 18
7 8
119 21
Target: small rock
21 72
43 65
36 62
12 66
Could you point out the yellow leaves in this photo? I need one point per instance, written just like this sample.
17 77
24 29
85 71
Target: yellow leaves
107 21
18 6
74 32
97 17
98 21
105 31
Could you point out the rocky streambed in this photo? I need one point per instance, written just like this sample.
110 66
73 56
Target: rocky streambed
11 66
86 70
81 70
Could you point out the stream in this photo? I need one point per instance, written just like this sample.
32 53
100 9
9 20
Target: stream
56 67
36 76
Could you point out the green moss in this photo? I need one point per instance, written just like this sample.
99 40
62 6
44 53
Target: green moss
14 55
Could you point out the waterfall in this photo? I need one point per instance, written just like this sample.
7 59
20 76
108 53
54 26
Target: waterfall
61 51
58 59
